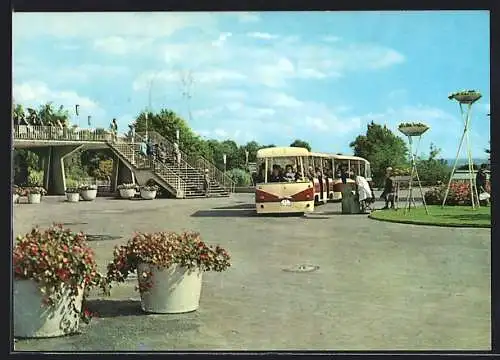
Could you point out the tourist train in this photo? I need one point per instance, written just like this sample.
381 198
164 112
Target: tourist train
295 180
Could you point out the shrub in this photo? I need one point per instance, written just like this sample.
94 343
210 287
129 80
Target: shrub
240 177
35 178
459 194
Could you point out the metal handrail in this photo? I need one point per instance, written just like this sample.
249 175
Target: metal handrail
198 162
180 185
42 132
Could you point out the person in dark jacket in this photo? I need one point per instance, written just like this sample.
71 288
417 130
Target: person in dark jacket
481 179
388 193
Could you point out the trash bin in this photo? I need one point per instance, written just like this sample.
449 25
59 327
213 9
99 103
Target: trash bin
350 202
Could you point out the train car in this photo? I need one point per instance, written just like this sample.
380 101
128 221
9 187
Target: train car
281 183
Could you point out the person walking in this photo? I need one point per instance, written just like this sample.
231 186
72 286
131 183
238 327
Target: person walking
388 193
481 179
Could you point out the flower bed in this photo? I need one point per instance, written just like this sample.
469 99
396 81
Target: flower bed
459 194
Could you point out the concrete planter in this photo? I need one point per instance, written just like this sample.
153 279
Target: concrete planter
72 197
127 193
32 320
34 198
174 290
147 194
88 195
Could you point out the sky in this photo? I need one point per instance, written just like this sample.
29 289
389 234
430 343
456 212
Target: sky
267 76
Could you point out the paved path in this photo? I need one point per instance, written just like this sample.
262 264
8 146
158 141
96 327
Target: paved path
379 285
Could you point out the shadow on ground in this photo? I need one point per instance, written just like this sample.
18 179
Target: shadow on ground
239 213
236 207
102 237
115 308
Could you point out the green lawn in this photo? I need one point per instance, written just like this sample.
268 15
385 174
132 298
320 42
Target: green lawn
457 216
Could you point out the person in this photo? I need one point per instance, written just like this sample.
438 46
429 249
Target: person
143 148
275 175
206 183
388 193
290 175
344 174
481 182
177 153
310 173
364 191
114 129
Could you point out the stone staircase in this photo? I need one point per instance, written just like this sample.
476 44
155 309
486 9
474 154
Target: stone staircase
192 169
181 181
145 169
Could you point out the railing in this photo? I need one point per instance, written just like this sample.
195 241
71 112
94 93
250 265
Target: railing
39 132
131 152
196 162
183 166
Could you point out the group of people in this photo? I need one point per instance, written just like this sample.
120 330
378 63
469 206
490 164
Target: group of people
158 152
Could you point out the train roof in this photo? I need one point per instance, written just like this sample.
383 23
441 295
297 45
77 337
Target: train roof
282 152
348 157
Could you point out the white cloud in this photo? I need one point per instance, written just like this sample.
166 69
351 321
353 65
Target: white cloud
38 93
22 70
248 17
118 45
221 39
282 100
262 35
316 123
209 76
106 24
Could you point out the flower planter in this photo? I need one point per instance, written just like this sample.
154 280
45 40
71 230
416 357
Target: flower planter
34 198
147 194
468 98
413 130
32 320
15 198
173 290
88 195
127 193
72 197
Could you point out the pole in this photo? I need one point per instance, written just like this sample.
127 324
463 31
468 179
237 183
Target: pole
454 168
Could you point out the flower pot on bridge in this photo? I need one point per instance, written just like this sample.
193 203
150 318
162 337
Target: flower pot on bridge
88 192
72 196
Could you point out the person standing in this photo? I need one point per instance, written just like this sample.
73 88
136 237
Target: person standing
177 153
114 129
206 183
388 193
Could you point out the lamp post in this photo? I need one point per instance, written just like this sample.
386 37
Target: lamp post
246 158
77 113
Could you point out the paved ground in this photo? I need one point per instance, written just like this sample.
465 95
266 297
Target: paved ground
379 285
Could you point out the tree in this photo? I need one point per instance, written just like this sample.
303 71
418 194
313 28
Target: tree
433 170
301 143
382 148
166 123
50 117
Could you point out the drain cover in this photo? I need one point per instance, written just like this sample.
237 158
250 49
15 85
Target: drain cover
302 268
75 223
102 237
